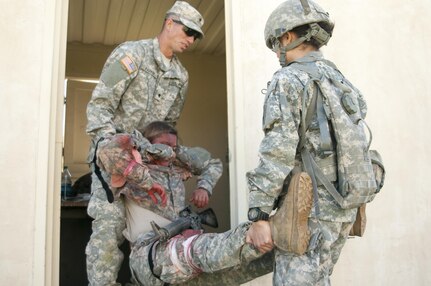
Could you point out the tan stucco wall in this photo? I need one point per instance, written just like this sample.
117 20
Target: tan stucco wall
384 48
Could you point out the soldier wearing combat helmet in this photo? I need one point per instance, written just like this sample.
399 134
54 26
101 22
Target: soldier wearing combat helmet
295 31
292 14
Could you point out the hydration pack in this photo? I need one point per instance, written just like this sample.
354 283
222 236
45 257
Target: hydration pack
343 141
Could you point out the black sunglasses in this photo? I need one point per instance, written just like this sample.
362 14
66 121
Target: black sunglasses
189 32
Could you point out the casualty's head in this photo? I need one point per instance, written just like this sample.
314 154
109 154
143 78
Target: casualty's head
159 132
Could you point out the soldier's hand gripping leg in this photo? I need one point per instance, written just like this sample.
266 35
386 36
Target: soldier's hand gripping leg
259 235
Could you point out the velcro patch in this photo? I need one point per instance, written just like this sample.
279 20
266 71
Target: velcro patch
128 64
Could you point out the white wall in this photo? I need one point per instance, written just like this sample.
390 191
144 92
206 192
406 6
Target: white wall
384 48
31 65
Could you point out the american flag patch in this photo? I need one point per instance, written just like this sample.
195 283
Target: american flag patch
128 64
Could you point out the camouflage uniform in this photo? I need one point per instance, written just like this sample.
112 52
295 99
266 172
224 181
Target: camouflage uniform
182 258
136 87
115 156
226 252
171 179
209 252
237 275
279 155
278 152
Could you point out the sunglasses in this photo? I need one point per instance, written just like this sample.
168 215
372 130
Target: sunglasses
188 31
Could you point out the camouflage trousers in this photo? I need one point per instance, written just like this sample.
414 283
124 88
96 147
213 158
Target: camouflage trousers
236 276
104 257
315 266
183 258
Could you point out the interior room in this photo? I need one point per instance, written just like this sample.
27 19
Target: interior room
95 28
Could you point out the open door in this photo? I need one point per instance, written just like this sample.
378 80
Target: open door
76 140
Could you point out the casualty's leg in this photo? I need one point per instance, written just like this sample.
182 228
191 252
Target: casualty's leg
236 276
104 257
217 251
181 258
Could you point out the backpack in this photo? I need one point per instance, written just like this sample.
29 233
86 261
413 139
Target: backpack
336 106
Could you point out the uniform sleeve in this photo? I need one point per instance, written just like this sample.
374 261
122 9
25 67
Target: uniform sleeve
276 152
118 157
177 106
200 163
119 70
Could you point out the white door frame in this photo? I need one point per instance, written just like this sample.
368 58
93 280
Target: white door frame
50 142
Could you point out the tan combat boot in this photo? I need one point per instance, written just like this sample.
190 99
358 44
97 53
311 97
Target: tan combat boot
289 225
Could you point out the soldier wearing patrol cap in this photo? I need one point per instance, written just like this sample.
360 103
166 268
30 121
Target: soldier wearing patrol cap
189 17
141 82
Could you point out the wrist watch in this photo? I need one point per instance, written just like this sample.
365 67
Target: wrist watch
255 214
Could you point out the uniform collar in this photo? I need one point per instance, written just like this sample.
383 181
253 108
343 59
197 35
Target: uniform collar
309 58
159 57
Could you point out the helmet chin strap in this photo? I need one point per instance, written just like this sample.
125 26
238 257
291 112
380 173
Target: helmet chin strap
287 48
291 46
315 31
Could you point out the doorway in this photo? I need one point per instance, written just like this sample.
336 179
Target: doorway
95 28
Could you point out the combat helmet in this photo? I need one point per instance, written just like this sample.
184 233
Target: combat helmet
294 13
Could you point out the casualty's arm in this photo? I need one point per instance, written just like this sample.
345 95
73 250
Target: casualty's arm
200 163
119 157
208 170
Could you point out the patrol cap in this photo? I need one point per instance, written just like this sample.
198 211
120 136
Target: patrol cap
188 15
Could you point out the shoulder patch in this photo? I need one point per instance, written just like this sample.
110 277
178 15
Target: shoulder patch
113 74
128 64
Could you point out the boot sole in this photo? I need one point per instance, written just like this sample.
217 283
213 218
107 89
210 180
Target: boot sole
289 226
302 192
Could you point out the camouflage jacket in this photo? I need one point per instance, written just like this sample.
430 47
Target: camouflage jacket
136 87
117 157
278 150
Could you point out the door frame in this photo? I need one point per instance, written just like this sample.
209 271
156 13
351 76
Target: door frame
50 143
